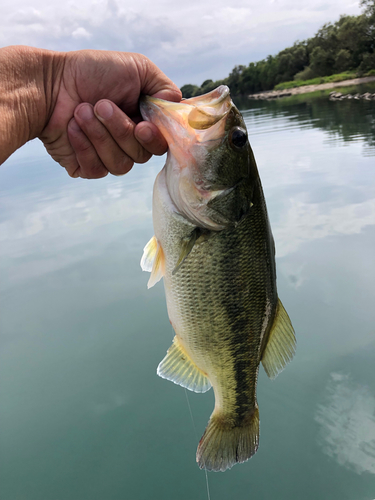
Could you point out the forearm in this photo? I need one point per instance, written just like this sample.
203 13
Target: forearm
29 81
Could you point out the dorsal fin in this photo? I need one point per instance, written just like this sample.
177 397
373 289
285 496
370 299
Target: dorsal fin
153 261
281 344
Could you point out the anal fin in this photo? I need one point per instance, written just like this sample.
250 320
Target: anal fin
179 368
281 344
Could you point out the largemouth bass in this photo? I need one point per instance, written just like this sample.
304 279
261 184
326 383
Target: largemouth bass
214 248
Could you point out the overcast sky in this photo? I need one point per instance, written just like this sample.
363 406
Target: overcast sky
191 40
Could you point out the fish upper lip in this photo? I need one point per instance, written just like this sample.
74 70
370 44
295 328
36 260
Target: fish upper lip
195 102
200 112
222 91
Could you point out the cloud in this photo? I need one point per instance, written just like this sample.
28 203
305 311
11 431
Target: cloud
26 17
44 232
190 43
347 423
81 33
306 221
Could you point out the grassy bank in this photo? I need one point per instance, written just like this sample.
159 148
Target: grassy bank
323 79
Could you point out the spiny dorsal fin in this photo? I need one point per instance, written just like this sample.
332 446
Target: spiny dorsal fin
281 344
153 261
180 369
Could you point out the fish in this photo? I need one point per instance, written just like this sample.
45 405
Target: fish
214 249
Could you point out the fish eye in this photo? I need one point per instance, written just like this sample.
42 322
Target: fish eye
238 137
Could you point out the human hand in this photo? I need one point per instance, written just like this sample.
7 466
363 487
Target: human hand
95 126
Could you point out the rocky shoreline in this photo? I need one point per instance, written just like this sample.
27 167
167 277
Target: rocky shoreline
338 96
305 89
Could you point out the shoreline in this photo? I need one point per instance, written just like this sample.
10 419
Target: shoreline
305 89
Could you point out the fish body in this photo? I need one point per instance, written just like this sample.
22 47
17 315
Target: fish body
214 248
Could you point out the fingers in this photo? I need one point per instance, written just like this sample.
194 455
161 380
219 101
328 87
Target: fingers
121 129
104 140
104 151
86 164
139 141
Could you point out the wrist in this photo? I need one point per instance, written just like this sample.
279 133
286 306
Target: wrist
29 81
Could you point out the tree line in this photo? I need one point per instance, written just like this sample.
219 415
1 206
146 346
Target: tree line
346 45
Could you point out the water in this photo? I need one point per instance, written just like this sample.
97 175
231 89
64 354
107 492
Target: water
83 414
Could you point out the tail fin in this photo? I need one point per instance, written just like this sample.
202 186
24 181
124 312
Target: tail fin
223 444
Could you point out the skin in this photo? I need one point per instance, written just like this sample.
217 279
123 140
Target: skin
83 105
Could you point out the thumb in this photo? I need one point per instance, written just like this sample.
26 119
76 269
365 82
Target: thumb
154 82
171 94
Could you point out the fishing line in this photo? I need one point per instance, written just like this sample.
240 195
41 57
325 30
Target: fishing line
196 436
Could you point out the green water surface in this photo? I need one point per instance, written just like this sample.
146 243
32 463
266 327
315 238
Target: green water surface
83 415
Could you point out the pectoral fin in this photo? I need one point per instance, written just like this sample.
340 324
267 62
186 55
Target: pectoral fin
153 261
187 245
281 344
179 368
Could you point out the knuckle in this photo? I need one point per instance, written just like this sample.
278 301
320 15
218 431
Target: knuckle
98 134
99 174
84 147
126 165
122 166
125 132
143 156
93 170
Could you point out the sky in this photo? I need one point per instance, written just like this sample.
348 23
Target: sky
190 41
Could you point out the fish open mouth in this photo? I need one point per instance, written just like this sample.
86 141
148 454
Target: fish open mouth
209 108
198 113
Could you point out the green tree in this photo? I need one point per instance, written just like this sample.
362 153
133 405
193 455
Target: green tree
321 61
207 86
188 90
347 44
343 61
234 80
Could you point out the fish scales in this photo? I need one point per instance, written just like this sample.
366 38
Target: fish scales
222 300
218 305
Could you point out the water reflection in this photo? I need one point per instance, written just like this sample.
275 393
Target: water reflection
44 230
317 187
306 221
347 423
348 120
83 414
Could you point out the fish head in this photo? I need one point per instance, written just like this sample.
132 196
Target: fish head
209 160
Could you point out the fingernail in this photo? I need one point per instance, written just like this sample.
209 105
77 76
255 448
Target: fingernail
104 110
145 134
85 112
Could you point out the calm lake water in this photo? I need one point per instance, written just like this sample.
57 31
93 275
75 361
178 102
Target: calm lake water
84 415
